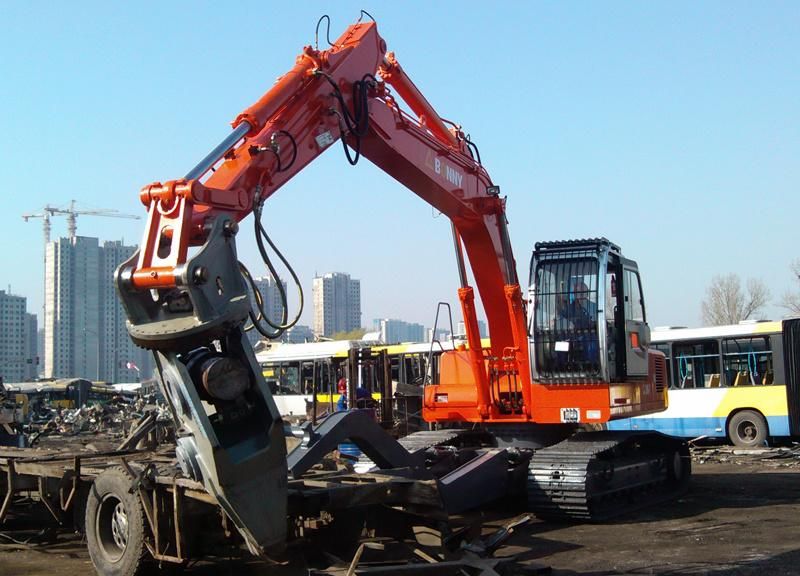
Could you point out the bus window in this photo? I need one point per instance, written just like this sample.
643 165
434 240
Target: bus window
306 376
323 377
288 379
696 364
420 363
433 370
395 363
270 373
747 361
414 369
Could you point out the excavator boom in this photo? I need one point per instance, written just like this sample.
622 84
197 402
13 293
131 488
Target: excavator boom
184 290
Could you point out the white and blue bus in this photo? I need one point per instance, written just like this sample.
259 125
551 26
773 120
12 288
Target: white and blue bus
739 382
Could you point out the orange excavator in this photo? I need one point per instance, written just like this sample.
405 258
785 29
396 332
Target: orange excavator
580 359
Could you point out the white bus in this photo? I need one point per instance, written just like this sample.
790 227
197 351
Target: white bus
739 382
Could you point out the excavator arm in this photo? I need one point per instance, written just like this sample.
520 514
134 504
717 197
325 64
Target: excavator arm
308 109
186 298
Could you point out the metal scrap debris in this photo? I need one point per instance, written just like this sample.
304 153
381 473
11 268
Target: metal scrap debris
476 557
773 457
118 419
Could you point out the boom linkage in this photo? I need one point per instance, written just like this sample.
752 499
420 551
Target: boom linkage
303 114
189 306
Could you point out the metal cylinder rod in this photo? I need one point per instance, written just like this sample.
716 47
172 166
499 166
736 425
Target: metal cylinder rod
462 271
222 148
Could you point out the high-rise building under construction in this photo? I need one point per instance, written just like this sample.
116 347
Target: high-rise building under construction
18 355
337 304
271 303
85 334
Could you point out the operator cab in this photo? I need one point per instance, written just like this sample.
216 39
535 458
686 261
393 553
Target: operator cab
588 323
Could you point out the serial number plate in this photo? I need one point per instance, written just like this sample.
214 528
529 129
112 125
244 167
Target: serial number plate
324 140
570 415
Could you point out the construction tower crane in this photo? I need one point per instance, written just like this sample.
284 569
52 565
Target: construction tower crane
72 216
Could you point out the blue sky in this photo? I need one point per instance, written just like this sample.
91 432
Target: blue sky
672 128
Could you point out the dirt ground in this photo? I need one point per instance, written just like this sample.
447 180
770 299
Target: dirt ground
740 517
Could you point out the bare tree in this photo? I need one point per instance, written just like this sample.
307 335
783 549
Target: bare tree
727 303
791 300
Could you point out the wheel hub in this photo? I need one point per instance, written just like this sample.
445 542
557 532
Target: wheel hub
119 526
747 431
112 528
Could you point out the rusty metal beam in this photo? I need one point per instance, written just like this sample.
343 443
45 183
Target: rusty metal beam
7 501
46 501
177 517
76 480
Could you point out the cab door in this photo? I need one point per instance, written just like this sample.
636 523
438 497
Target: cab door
637 333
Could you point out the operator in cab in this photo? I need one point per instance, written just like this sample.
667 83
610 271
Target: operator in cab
581 312
580 316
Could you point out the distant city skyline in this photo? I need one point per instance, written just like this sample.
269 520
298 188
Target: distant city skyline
659 125
298 334
336 298
271 303
94 343
84 322
394 331
18 347
461 329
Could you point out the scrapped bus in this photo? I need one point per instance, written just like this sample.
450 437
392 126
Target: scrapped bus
295 371
738 381
67 393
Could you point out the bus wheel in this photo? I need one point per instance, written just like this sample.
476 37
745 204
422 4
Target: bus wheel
115 525
747 429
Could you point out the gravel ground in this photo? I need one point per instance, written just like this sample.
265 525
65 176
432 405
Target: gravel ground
739 517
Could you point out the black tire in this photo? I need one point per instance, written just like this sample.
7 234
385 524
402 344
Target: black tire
115 525
748 429
679 467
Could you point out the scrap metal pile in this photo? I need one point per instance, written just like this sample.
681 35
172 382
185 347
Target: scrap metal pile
770 457
109 421
459 552
115 418
11 419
